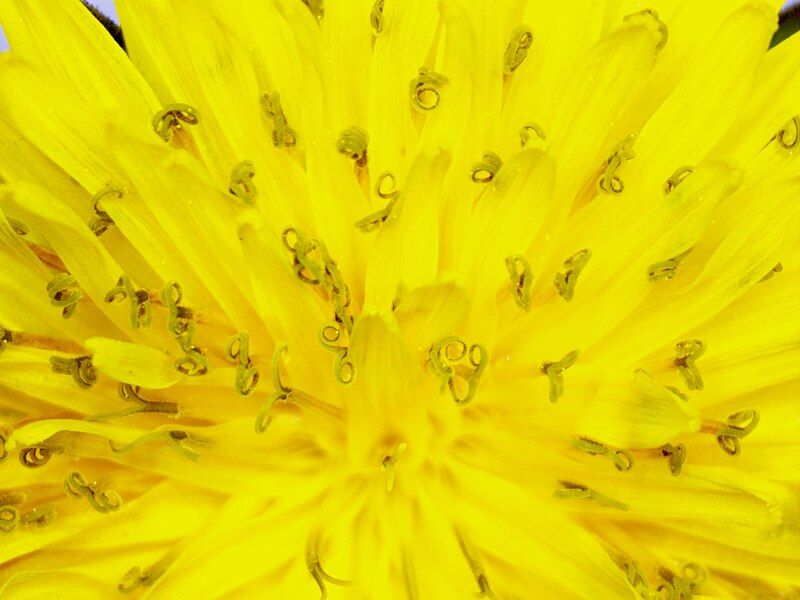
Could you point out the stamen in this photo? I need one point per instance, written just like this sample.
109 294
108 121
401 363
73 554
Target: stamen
676 455
519 272
282 134
572 490
316 7
130 393
677 392
101 221
315 568
776 269
663 271
662 26
484 171
622 459
386 188
376 17
36 456
424 90
555 373
18 226
636 577
3 449
517 49
527 130
344 371
789 136
103 501
9 518
695 575
280 391
64 292
40 516
180 324
475 566
565 282
136 577
390 461
171 119
739 425
79 367
6 337
609 182
677 178
247 376
175 439
140 308
447 357
688 351
675 588
242 185
352 143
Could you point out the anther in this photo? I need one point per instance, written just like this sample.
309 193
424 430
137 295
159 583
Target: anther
79 368
101 220
282 134
131 393
484 171
172 118
141 311
317 572
103 501
555 373
739 425
9 518
517 49
662 26
695 575
519 272
622 459
242 185
776 269
448 357
6 337
476 566
530 129
676 455
789 136
64 292
376 17
424 90
174 438
386 188
565 281
247 376
352 143
36 456
572 490
610 182
662 271
136 577
390 461
3 449
688 351
677 178
316 7
279 393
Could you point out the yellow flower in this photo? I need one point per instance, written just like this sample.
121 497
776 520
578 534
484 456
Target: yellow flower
399 299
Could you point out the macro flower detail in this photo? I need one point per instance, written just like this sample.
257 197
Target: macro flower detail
393 299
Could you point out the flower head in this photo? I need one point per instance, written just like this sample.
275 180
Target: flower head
399 299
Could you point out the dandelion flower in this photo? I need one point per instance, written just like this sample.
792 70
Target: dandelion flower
399 299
